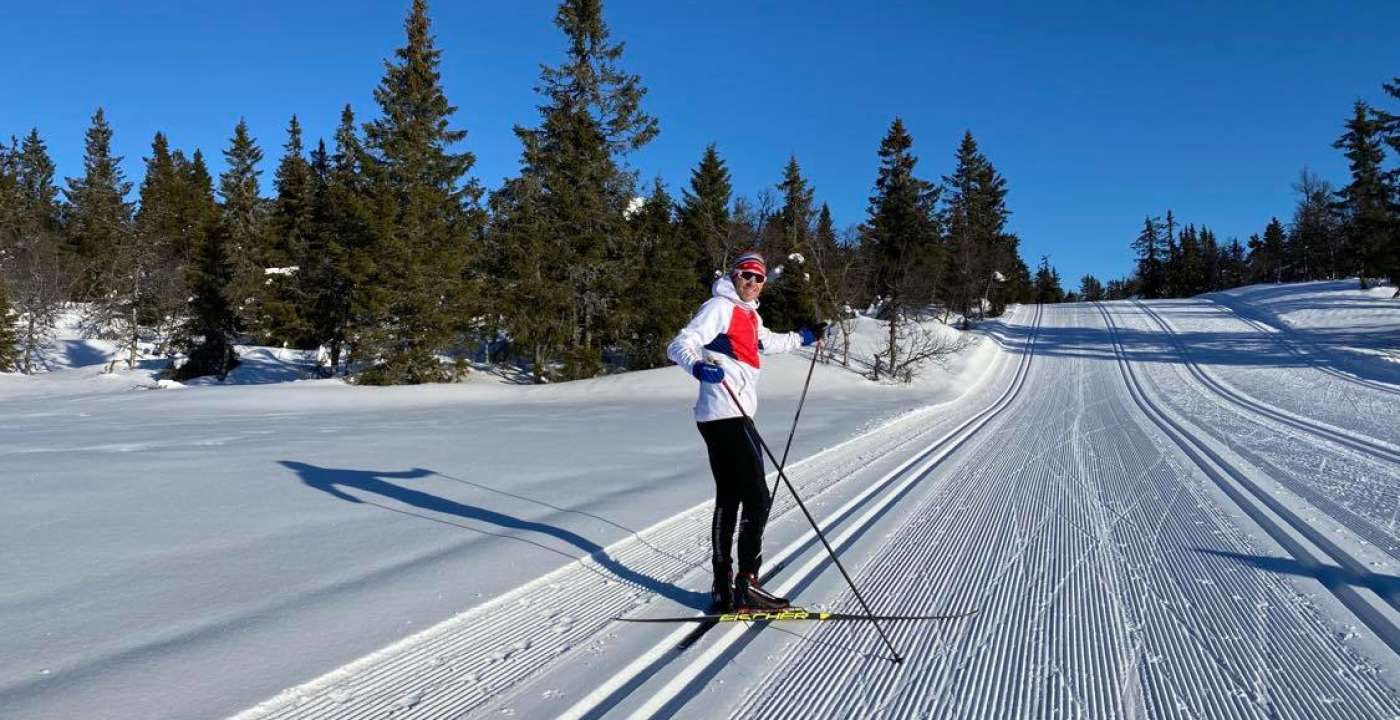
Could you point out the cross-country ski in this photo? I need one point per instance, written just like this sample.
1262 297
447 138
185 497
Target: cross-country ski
791 614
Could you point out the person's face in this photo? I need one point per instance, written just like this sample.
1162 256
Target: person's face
749 284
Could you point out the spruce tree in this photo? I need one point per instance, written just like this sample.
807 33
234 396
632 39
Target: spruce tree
1266 254
210 330
9 340
38 195
1047 283
705 218
200 213
9 200
1190 264
533 300
1151 260
975 216
1017 287
659 299
900 239
199 206
832 268
139 284
98 216
1210 261
590 120
33 246
1175 270
159 217
289 232
1090 289
1314 235
323 254
339 280
1367 202
1234 267
426 217
789 301
244 223
1389 257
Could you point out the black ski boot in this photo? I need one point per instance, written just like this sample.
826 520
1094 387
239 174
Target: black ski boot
722 592
748 594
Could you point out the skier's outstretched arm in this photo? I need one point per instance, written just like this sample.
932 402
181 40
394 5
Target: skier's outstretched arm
773 343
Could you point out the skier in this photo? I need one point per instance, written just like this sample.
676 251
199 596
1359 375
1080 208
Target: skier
722 341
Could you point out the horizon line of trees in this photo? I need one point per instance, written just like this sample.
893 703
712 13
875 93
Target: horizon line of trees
1351 231
382 251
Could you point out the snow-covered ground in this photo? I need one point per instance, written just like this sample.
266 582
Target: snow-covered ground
187 551
1166 509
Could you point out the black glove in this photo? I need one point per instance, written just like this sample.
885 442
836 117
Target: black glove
813 334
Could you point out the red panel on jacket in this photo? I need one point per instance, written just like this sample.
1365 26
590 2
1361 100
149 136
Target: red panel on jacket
743 335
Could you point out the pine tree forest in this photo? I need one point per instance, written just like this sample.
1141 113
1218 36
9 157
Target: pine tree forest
380 248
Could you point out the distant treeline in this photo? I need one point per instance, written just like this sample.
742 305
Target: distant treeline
1353 231
381 249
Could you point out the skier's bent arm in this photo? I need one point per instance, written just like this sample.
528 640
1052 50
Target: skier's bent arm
688 347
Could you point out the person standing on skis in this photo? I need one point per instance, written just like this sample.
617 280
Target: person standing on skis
723 342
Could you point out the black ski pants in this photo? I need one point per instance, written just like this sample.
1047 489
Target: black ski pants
739 483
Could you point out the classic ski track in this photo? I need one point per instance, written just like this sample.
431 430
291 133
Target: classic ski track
1080 657
1280 336
1366 530
878 496
1372 447
893 487
1264 505
457 666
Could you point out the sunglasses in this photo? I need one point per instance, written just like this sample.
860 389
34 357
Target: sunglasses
752 276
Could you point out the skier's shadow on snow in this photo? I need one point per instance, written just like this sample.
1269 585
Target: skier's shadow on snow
1387 586
332 480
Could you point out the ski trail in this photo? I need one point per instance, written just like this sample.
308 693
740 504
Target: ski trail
1288 339
1369 446
1125 620
668 698
483 655
1358 491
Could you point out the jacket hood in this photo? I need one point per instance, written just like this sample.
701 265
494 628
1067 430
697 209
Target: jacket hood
724 288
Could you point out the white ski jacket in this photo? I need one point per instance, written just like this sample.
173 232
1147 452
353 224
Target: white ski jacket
728 332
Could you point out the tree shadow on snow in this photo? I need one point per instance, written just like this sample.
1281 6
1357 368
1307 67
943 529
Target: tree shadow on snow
1387 586
334 481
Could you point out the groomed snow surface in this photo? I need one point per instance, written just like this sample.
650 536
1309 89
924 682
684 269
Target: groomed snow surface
1166 509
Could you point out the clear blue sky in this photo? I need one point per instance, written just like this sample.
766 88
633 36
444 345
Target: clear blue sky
1097 114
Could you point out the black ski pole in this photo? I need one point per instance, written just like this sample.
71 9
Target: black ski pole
816 350
829 550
